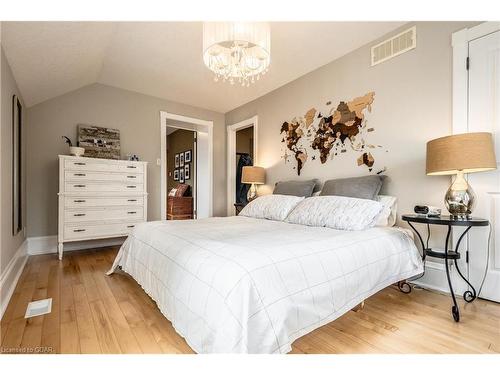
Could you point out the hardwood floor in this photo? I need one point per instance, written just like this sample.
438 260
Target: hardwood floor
93 313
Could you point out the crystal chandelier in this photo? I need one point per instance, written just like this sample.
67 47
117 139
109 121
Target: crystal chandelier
238 52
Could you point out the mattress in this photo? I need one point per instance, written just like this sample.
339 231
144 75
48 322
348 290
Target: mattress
245 285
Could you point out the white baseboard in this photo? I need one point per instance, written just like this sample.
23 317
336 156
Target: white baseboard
10 277
48 244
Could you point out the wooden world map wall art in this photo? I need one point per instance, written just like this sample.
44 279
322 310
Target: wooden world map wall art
344 128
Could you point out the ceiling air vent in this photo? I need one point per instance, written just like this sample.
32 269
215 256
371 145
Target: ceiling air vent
394 46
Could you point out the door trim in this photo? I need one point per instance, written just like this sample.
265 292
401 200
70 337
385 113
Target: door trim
231 156
208 128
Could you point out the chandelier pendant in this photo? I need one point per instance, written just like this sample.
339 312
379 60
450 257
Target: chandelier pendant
237 52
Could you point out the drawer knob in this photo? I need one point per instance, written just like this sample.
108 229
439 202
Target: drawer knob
79 174
78 230
79 185
80 163
131 200
79 215
131 186
131 166
79 201
131 212
130 226
131 176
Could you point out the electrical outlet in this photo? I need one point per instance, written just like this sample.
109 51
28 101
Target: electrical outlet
158 162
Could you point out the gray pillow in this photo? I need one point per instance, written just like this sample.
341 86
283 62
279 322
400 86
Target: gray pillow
366 187
296 188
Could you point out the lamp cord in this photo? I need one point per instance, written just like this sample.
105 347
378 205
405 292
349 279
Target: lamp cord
487 264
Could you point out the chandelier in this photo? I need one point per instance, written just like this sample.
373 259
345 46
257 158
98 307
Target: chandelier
238 52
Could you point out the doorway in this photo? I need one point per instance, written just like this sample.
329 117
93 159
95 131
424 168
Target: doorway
244 158
181 172
241 151
199 134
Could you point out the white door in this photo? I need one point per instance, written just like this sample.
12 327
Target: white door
484 116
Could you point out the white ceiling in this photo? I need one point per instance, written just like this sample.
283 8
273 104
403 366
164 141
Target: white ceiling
164 59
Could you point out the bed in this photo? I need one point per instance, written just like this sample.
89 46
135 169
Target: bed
251 285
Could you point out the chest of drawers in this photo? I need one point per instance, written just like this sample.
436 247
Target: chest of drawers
100 198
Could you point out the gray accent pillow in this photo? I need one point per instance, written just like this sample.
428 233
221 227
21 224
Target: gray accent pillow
366 187
296 188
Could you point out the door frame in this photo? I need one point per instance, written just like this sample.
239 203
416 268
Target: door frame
208 128
460 97
231 156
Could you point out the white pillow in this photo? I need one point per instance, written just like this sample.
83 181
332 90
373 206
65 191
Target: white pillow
387 218
272 207
344 213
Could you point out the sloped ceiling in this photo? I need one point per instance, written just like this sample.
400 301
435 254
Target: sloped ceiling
164 59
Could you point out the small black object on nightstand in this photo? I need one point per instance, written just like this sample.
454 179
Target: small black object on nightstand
449 221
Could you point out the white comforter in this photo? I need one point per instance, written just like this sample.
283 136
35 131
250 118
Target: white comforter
245 285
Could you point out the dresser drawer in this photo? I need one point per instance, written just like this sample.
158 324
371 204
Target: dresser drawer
72 202
85 186
95 214
87 231
103 176
88 164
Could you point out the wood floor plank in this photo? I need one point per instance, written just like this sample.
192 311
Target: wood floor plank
93 313
69 340
51 323
105 334
87 335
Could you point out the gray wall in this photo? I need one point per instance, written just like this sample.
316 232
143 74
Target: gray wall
138 118
412 105
9 243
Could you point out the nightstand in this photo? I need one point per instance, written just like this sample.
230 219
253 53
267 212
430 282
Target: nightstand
450 222
238 207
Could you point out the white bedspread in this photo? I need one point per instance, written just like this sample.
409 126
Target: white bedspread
245 285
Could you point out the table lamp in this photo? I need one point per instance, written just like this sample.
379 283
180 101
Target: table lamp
459 154
254 176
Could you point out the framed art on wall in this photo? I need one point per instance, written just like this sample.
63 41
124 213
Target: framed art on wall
99 142
187 171
188 156
181 175
176 160
176 175
181 159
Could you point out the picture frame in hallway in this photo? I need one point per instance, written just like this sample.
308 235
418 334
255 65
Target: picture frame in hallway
181 175
188 156
181 159
176 160
187 171
176 175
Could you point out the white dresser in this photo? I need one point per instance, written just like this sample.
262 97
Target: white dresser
100 198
